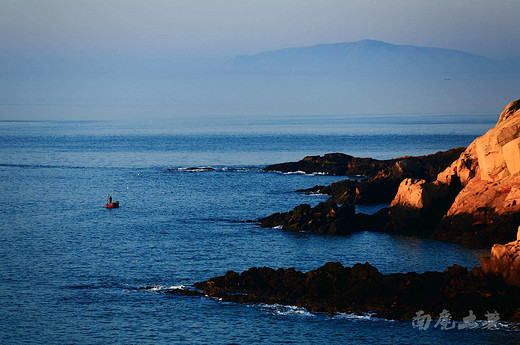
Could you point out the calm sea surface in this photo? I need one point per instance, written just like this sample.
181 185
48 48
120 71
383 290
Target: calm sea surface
72 271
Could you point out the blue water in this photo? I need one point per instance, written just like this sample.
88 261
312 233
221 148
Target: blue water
73 271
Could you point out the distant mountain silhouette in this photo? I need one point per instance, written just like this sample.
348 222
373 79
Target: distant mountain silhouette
367 58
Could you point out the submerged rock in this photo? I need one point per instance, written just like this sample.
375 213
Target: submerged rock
197 169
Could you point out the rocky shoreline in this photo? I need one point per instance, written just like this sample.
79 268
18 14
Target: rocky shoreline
466 195
333 288
379 187
469 196
380 179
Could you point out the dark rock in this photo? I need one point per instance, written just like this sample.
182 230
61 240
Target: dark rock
345 165
478 230
331 163
377 190
342 192
380 188
327 218
313 190
333 288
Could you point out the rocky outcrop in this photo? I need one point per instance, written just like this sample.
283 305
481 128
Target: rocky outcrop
482 214
481 189
342 192
418 206
362 288
383 187
504 261
376 190
382 176
469 196
326 218
380 188
340 164
498 151
334 164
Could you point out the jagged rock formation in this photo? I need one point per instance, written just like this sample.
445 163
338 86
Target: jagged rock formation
504 261
333 164
342 192
381 186
362 288
418 206
469 196
383 176
340 164
476 200
326 218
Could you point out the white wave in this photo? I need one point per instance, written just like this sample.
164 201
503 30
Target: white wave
166 288
197 169
278 227
291 310
210 168
241 169
299 172
361 317
213 298
367 316
295 172
279 309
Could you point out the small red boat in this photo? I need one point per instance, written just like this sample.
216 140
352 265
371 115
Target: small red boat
114 204
110 204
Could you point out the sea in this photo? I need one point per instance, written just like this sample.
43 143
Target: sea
74 272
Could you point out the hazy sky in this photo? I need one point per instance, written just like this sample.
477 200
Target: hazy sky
229 27
91 59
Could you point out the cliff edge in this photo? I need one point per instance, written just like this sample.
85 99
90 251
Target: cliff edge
477 198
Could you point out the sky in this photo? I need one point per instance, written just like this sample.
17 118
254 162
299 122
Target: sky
97 59
188 28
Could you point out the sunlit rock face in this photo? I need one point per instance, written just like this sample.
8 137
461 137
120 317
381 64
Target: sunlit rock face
505 261
482 189
418 206
462 170
498 150
412 194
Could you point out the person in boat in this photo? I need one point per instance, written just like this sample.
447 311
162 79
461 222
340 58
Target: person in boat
109 199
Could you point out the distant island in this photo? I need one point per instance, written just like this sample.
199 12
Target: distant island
370 58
